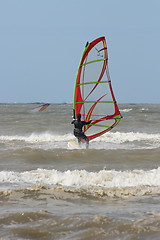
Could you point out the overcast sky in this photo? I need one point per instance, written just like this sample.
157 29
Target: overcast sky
41 43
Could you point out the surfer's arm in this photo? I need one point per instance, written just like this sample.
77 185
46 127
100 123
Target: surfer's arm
73 121
88 122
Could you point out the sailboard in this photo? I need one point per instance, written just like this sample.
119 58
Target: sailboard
40 108
93 93
73 145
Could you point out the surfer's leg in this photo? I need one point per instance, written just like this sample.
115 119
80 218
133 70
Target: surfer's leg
77 135
86 140
79 141
87 143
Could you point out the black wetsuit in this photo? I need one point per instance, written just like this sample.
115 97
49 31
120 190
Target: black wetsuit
78 132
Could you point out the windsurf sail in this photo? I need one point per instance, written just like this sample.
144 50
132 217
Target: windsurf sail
40 108
93 94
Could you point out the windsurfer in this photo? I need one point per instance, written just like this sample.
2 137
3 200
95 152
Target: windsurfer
78 132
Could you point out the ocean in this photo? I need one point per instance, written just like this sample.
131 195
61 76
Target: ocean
109 191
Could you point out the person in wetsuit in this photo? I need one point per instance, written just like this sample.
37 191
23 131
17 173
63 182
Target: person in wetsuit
78 132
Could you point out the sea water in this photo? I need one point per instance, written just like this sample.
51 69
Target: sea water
109 191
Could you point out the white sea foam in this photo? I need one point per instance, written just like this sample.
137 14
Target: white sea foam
126 110
144 109
35 137
82 178
110 140
118 137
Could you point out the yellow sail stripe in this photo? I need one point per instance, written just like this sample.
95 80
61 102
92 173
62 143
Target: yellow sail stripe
98 60
93 82
98 125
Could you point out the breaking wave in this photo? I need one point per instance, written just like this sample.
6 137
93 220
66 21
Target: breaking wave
83 178
111 140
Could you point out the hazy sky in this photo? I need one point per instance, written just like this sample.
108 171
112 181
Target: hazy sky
41 42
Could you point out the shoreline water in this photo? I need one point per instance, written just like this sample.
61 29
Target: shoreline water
109 191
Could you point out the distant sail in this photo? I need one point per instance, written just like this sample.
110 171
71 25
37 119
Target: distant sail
40 108
93 93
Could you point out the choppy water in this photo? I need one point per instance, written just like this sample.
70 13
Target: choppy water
109 191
